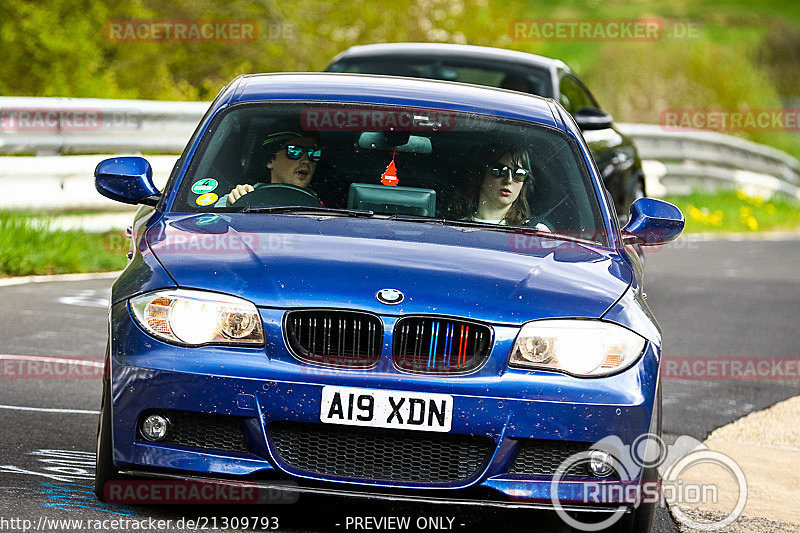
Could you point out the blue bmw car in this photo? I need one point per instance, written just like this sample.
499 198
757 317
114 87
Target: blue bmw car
381 288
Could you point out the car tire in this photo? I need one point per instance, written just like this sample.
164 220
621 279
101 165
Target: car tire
105 470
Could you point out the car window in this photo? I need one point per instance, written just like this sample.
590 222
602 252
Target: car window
392 160
523 79
573 95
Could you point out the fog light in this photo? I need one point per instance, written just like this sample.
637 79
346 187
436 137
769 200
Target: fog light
601 463
155 428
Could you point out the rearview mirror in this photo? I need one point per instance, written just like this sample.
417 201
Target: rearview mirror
592 118
401 141
126 179
653 222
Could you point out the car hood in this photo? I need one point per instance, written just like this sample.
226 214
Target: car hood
288 261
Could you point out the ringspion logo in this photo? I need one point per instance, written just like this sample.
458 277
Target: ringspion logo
632 478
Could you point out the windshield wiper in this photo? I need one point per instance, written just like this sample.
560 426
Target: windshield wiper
462 223
528 230
308 210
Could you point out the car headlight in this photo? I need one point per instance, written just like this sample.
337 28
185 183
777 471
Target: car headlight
196 317
584 348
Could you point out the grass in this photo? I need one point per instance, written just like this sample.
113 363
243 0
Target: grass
737 212
30 247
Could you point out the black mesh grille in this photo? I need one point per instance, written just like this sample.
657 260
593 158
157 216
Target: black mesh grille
440 346
380 454
210 432
542 458
336 338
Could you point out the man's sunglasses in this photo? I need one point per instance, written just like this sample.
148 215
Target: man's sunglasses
294 151
517 174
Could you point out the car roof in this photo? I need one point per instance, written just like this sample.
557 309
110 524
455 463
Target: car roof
390 90
461 51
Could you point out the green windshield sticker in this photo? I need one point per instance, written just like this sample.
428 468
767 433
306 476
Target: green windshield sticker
204 186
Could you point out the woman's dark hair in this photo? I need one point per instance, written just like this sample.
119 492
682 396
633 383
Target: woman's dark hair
520 211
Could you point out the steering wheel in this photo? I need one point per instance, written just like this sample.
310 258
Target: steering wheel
278 194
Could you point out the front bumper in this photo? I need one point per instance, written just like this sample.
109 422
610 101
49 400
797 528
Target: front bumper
507 406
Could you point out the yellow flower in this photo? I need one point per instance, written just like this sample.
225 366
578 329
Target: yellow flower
740 194
745 212
752 223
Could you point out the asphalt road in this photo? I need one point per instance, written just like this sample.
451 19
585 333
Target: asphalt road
712 299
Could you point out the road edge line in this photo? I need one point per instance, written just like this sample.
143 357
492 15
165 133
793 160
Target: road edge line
87 276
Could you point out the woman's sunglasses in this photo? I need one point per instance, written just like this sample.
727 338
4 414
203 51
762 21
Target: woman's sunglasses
294 151
517 174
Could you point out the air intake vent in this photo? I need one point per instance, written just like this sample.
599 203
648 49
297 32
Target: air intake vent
543 457
440 346
380 454
199 430
345 339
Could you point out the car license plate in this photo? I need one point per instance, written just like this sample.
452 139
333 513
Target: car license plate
386 409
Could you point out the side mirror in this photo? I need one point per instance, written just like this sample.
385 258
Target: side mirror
126 179
652 222
592 118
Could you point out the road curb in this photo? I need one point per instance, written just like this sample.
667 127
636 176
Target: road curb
766 446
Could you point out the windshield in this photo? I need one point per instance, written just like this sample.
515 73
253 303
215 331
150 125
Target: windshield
415 164
524 79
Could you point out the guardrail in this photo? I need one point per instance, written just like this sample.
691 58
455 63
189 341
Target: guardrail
675 161
46 126
687 159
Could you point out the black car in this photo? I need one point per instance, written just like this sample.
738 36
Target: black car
613 151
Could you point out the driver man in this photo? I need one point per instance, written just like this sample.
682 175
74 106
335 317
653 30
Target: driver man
292 159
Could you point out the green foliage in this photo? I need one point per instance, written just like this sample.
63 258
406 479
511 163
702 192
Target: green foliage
64 48
28 247
744 55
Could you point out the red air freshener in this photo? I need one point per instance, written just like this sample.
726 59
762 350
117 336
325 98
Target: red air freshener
390 176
